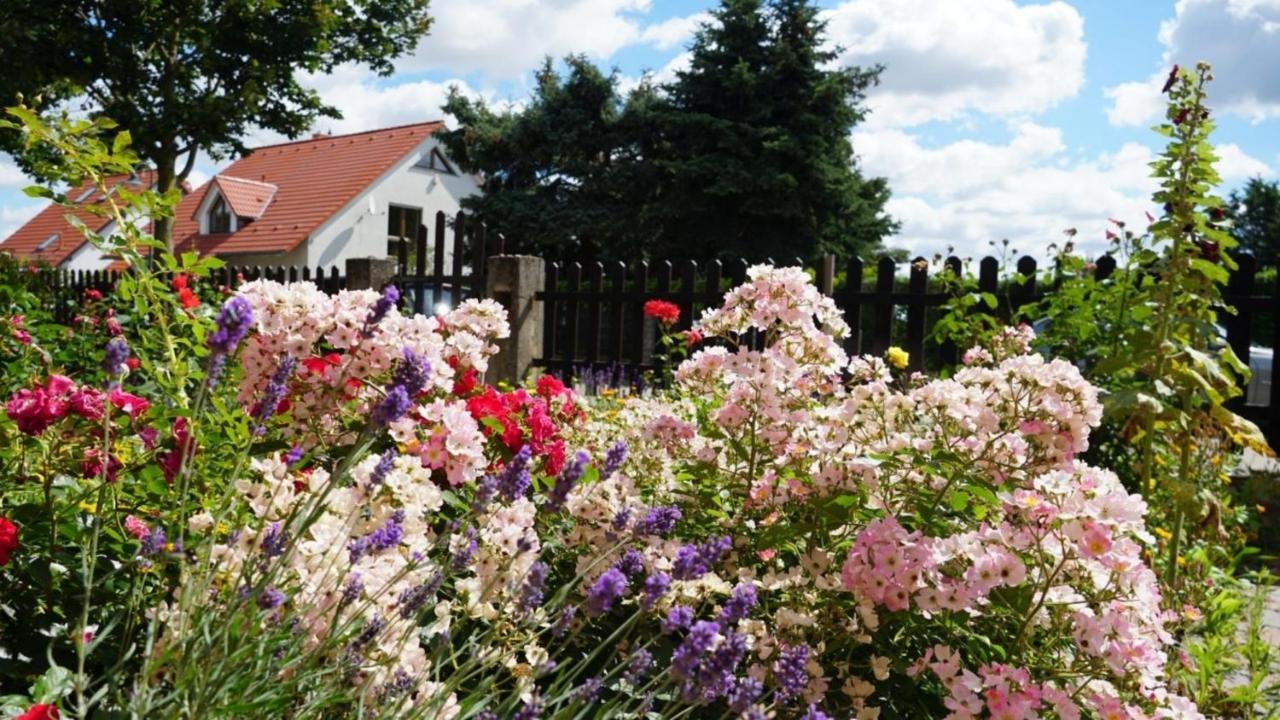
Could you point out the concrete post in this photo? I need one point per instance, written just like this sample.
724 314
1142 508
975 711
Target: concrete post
370 273
512 280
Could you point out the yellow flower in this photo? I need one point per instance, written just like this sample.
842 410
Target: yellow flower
897 357
1162 533
91 508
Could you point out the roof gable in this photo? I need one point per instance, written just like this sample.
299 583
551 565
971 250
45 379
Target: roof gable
247 198
314 179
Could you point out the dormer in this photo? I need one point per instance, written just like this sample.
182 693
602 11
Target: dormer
232 203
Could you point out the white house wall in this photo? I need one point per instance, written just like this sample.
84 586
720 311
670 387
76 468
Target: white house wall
356 231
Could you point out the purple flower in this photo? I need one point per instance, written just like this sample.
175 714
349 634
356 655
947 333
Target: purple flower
270 599
568 477
659 521
613 459
412 600
292 457
631 563
351 591
684 661
393 406
531 590
274 540
694 561
678 618
462 558
789 671
366 636
638 667
412 373
380 471
153 543
390 296
813 713
621 519
117 356
746 690
715 677
384 538
608 588
514 481
589 691
739 605
564 622
277 387
655 586
531 710
233 325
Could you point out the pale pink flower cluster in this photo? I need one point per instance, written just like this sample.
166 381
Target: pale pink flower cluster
338 355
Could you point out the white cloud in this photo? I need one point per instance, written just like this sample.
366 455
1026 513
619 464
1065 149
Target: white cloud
13 216
1239 38
1236 164
674 31
10 175
366 103
1028 190
507 38
944 58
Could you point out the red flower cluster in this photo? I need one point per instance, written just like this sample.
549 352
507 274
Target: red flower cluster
40 712
664 312
8 540
518 417
186 297
35 409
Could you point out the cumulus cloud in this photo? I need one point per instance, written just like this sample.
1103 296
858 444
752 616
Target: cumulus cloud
507 38
1236 164
1240 38
1029 189
13 216
946 58
10 175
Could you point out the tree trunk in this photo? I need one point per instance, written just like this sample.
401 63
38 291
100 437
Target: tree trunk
166 161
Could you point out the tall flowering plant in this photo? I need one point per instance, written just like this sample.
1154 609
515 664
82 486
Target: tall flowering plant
911 548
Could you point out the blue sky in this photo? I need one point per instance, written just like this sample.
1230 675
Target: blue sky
996 119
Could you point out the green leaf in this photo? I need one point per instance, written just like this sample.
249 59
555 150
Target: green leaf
56 683
121 142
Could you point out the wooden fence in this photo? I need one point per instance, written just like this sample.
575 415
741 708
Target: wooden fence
594 324
64 290
455 275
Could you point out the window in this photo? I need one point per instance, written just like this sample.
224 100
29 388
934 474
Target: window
86 194
219 216
434 160
402 222
44 244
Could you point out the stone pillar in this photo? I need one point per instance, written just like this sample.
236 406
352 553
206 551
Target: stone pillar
370 273
512 280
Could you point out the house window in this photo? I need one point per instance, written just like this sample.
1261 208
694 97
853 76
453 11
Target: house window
402 222
434 160
219 216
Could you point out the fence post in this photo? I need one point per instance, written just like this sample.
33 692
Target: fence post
513 281
370 273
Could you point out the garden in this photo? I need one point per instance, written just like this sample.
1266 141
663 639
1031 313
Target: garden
271 501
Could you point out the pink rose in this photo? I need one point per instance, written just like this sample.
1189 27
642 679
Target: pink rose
131 404
87 402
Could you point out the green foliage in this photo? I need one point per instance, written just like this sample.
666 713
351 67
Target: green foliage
746 153
1255 217
191 75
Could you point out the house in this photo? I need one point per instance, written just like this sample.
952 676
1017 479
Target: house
320 201
49 238
314 202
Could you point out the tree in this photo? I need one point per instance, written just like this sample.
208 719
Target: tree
746 153
1255 214
565 173
758 160
184 76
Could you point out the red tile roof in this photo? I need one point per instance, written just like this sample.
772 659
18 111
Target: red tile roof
25 242
247 198
314 178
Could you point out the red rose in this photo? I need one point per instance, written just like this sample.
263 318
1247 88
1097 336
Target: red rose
466 382
131 404
87 402
92 466
93 294
35 409
550 386
691 338
8 540
40 712
662 311
133 363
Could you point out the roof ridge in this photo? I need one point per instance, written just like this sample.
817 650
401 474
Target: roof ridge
237 178
347 135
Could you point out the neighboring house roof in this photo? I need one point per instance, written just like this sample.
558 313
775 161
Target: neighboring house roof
247 198
49 238
314 179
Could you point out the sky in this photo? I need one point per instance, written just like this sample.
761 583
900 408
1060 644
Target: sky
995 119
